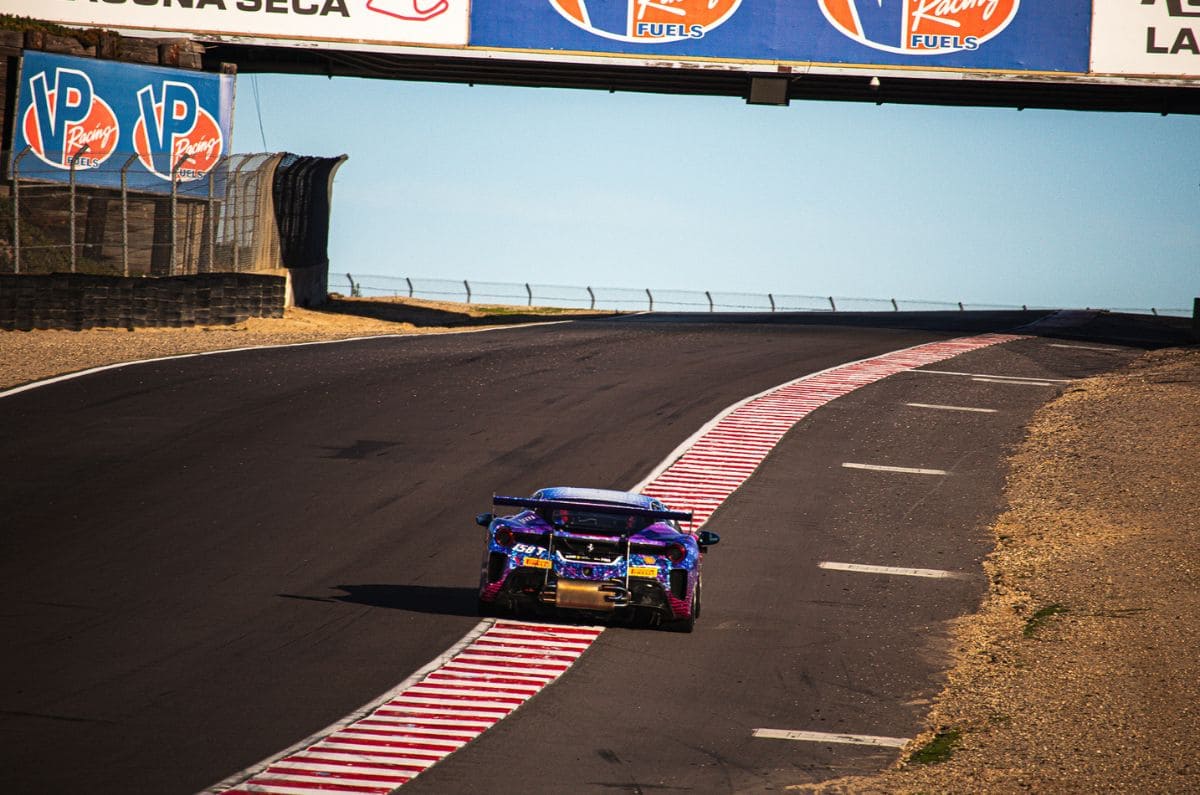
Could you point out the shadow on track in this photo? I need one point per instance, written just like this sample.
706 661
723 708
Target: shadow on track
398 310
1114 328
446 601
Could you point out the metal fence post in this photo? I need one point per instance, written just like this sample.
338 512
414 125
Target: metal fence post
468 286
17 210
174 221
350 279
529 292
125 214
771 298
960 307
410 294
71 225
591 296
651 297
708 295
832 305
212 215
1154 311
234 201
1196 319
895 306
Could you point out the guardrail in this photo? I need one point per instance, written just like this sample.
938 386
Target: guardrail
648 299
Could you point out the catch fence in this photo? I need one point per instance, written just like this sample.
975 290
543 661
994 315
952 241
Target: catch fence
228 220
654 299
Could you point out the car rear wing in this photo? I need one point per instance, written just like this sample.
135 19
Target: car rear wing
598 507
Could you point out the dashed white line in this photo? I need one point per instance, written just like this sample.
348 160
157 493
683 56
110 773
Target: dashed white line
831 737
986 380
951 408
993 375
118 365
1083 347
501 664
905 470
864 568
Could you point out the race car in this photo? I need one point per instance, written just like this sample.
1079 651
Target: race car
596 553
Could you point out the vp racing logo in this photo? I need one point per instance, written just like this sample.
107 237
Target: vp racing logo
174 131
64 117
920 27
647 21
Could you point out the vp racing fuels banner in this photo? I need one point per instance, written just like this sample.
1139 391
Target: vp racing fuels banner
1010 35
436 22
103 113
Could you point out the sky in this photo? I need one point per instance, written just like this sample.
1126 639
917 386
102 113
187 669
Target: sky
575 187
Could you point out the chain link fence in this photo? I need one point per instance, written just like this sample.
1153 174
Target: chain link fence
229 222
653 299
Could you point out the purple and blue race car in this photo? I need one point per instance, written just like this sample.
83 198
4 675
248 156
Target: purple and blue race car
597 553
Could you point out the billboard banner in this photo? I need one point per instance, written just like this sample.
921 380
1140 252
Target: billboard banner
104 114
422 22
1003 35
1146 37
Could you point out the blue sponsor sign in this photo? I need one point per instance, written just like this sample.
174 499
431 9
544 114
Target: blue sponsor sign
956 34
100 114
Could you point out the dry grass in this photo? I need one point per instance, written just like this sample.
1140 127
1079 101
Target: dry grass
1098 694
1081 672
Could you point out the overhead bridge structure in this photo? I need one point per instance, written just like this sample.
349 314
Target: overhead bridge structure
777 85
1101 55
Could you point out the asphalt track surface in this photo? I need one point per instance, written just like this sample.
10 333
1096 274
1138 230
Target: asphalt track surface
207 559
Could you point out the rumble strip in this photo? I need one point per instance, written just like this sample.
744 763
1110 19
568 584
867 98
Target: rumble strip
502 664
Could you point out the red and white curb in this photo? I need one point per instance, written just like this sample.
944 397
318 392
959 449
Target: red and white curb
492 675
707 468
502 664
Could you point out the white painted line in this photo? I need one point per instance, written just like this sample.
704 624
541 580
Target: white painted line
905 470
1084 347
832 737
986 380
993 375
360 713
951 408
911 357
937 574
117 365
718 458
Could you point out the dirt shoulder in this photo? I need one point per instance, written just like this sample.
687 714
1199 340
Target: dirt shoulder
1082 673
27 356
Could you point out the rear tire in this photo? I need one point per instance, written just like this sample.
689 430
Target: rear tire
688 624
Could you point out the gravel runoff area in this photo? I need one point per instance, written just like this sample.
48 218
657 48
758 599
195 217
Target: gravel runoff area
1080 673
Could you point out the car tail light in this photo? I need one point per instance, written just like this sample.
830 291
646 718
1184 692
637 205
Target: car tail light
676 553
505 537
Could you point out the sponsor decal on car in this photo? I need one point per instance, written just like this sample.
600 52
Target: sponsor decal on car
535 563
920 27
643 571
647 21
